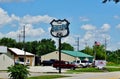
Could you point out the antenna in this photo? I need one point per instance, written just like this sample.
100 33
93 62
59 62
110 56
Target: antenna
19 37
77 43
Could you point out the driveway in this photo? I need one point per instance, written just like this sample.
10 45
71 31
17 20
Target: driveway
45 69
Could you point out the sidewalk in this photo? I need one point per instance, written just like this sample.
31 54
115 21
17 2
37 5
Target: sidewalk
3 75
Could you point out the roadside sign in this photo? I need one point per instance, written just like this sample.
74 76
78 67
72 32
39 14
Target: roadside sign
59 28
100 63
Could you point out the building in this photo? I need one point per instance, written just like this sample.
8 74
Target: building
14 55
67 56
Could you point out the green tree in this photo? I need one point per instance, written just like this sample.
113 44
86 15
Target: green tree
97 51
18 71
100 52
88 50
19 45
66 46
116 1
46 46
9 42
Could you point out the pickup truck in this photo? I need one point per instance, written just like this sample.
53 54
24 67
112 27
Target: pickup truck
64 64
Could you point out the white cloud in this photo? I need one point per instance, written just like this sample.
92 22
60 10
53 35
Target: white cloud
69 39
4 18
84 19
18 22
28 19
88 36
88 27
105 27
30 31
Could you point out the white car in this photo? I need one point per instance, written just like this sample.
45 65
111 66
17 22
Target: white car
83 63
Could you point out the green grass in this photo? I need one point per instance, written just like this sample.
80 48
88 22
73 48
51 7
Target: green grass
47 77
112 64
93 70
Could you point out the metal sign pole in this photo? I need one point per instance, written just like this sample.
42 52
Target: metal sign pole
59 55
59 29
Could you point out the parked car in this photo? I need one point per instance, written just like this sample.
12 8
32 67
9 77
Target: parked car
86 63
64 64
82 63
48 62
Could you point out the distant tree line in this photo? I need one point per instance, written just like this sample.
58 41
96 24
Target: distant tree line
102 54
39 48
45 46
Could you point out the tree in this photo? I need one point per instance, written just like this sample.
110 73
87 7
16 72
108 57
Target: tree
9 42
88 50
46 46
18 71
34 45
66 46
116 1
114 56
19 45
100 51
97 50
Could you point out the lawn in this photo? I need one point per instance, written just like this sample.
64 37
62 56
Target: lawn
47 77
107 69
79 70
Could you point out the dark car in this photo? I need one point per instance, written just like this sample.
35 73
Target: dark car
64 64
48 62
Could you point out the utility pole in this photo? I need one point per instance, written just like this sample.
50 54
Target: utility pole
24 44
19 37
105 48
77 43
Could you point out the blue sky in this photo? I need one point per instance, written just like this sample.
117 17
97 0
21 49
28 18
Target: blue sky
90 20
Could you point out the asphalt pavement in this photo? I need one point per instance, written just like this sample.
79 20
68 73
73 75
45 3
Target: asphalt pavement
47 70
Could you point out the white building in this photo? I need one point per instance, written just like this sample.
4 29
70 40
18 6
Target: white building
10 56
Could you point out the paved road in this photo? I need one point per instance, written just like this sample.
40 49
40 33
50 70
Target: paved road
104 75
37 71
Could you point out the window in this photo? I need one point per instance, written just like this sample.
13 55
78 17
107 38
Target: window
28 60
21 59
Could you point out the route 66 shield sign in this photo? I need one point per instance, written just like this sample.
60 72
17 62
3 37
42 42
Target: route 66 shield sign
59 28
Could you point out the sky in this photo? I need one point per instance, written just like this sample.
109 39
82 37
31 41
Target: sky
90 21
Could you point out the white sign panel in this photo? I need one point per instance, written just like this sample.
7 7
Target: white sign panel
3 49
59 28
100 63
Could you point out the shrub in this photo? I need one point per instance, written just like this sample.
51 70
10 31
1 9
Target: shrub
18 71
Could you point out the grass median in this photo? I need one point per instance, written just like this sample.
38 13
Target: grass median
79 70
106 69
48 77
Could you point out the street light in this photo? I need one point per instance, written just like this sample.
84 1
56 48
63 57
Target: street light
59 29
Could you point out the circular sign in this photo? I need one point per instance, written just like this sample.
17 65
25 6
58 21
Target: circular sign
59 28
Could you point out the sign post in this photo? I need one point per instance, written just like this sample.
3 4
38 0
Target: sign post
59 29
